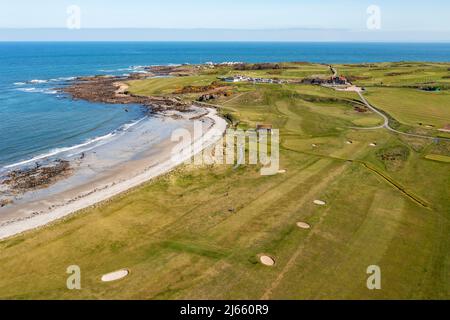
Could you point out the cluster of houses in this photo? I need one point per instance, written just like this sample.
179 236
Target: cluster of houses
225 63
241 78
339 80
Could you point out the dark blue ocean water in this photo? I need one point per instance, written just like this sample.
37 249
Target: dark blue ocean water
35 120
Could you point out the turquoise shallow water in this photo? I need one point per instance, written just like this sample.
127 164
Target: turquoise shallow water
36 121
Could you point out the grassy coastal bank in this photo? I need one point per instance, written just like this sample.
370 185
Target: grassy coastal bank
198 231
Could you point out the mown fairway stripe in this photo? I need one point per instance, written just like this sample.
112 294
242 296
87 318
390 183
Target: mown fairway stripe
320 186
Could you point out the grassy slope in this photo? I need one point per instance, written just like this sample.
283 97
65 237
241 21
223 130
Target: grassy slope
163 86
400 74
196 233
411 106
392 87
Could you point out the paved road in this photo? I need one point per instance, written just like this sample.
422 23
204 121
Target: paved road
335 73
359 91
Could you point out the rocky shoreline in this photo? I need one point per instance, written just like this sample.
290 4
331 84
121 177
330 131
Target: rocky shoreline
103 89
113 180
36 177
39 176
113 89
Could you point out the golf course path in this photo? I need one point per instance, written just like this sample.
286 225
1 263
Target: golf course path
385 118
386 122
334 71
386 125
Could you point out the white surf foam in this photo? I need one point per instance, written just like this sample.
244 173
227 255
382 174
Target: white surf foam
38 90
27 89
38 81
97 141
128 126
130 68
57 151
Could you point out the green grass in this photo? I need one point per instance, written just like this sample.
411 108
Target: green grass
288 71
399 74
438 157
196 233
413 107
166 86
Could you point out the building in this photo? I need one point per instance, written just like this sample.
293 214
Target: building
339 80
240 78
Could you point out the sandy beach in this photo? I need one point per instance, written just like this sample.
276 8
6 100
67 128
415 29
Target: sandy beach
95 180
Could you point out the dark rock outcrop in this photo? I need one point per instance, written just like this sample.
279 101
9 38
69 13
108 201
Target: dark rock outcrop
37 177
107 90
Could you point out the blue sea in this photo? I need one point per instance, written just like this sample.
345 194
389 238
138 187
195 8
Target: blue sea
36 121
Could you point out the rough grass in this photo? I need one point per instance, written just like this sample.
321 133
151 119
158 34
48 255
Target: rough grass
400 74
164 86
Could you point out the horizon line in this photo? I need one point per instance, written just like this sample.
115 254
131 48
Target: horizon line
309 35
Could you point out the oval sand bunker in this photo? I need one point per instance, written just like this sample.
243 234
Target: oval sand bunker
267 261
114 276
320 202
303 225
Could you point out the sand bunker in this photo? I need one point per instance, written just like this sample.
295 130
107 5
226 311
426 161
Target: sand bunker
320 202
314 145
267 261
303 225
114 276
349 142
373 144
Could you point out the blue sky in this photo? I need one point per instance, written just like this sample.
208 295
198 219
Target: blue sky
396 14
350 15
